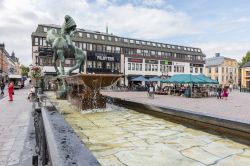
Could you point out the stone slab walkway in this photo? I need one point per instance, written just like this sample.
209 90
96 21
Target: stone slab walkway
14 122
236 107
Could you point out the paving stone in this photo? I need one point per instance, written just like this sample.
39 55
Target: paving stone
200 155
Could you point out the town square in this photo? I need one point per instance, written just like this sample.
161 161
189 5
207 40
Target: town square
124 83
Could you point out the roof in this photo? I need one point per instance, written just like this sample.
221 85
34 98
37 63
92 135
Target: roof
215 61
247 64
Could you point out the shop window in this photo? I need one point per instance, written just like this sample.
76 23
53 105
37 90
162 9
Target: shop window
137 67
89 64
196 70
99 65
146 67
191 69
129 66
108 65
140 67
133 66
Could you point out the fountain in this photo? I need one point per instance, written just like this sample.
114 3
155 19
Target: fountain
84 89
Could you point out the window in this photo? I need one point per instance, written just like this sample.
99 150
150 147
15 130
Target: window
222 78
173 47
154 44
133 66
222 69
116 39
196 69
201 70
192 49
185 48
131 41
80 34
36 41
191 69
40 41
143 43
152 52
44 42
216 70
89 64
109 38
178 47
117 49
89 47
84 46
129 66
168 46
88 35
125 40
158 45
148 43
99 65
108 48
163 45
156 67
103 37
45 29
137 42
146 67
137 67
108 65
95 36
209 70
140 67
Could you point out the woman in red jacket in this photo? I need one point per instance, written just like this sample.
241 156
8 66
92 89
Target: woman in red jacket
10 91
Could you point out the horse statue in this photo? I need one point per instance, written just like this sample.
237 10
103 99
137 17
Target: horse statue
63 47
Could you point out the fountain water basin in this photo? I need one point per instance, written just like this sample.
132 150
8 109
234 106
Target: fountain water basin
84 89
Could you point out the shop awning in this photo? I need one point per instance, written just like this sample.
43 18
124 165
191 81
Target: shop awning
140 78
154 79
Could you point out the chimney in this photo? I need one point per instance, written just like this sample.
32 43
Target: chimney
217 54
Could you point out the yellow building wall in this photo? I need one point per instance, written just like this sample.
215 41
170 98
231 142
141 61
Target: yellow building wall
243 76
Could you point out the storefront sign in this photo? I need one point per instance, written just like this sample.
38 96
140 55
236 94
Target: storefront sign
135 60
166 62
196 65
98 56
151 61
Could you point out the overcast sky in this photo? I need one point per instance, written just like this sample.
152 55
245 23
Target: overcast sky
214 26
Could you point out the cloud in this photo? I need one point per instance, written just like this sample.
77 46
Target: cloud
235 50
156 20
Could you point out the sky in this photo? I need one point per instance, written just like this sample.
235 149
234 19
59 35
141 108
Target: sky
213 25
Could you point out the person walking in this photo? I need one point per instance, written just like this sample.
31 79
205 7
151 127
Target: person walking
2 87
10 91
219 91
225 93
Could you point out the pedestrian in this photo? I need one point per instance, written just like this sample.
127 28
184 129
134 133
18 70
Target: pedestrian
225 93
10 91
2 88
230 88
219 91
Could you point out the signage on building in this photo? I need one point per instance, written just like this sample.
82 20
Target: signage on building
166 62
135 60
179 63
98 56
151 61
196 65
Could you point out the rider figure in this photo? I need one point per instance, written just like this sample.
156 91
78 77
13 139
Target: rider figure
68 29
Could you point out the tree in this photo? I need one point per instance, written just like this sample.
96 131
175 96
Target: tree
245 59
24 70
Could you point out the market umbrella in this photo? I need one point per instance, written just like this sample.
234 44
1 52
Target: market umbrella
183 79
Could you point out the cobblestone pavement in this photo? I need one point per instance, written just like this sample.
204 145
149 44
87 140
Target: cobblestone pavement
14 122
119 136
236 107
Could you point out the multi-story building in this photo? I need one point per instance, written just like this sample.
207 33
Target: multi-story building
245 76
108 53
3 62
222 69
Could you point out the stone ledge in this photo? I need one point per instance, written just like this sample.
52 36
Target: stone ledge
236 128
64 146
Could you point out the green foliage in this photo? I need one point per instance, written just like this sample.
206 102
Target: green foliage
24 70
245 59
